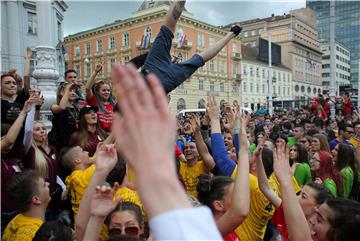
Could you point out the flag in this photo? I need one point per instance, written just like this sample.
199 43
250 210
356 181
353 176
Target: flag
182 41
145 41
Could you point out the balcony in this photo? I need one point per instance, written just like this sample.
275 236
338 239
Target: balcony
125 48
138 44
237 77
111 51
99 53
187 44
236 56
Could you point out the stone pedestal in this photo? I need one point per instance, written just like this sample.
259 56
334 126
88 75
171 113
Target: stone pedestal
45 72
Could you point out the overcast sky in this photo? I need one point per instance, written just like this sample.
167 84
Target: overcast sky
83 15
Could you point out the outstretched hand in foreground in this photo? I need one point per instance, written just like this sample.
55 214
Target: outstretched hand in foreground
145 137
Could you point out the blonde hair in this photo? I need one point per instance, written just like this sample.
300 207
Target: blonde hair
41 165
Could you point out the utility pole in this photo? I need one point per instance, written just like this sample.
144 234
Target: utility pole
270 79
332 59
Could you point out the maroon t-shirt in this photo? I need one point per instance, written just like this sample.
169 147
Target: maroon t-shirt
9 168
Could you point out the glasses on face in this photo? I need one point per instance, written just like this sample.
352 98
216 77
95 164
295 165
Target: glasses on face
130 231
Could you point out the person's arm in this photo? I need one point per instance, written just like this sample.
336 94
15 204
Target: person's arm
240 201
212 51
104 162
28 130
91 82
9 140
146 125
27 70
200 144
102 203
174 14
38 105
262 178
64 102
219 153
296 222
139 61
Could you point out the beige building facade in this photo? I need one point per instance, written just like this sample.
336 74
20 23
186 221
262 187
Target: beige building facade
121 40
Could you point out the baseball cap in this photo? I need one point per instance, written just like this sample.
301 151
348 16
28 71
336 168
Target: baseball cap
87 108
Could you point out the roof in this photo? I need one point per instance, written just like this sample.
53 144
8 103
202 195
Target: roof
257 20
151 4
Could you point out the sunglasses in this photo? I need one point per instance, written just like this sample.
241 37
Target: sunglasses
130 231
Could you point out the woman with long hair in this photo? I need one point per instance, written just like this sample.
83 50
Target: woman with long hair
300 164
320 142
98 93
344 159
322 166
90 132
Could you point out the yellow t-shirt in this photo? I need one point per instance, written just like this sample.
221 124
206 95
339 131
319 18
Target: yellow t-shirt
261 210
76 184
354 142
190 176
21 228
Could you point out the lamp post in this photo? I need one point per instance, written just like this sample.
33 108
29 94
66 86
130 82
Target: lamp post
270 80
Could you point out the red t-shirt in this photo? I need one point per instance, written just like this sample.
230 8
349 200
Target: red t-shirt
232 237
347 108
279 220
105 119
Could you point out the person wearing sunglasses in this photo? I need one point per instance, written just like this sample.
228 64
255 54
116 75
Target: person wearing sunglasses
345 133
322 166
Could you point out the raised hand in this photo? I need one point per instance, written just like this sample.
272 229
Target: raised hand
28 53
281 163
212 108
40 101
195 122
244 121
29 104
99 67
102 202
146 128
106 157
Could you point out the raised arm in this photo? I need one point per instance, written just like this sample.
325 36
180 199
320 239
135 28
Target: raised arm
240 201
27 70
64 102
200 144
262 178
296 223
105 161
91 81
219 153
8 141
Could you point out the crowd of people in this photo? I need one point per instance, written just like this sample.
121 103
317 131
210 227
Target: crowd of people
123 168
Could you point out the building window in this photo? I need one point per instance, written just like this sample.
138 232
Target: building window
77 50
212 86
211 41
251 87
263 88
263 73
99 45
88 69
246 34
245 87
201 104
234 68
181 104
87 49
32 62
234 48
257 88
77 69
235 87
245 69
111 62
59 30
253 33
148 30
201 84
212 66
112 42
200 40
222 87
32 23
127 59
257 72
125 39
251 71
222 67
